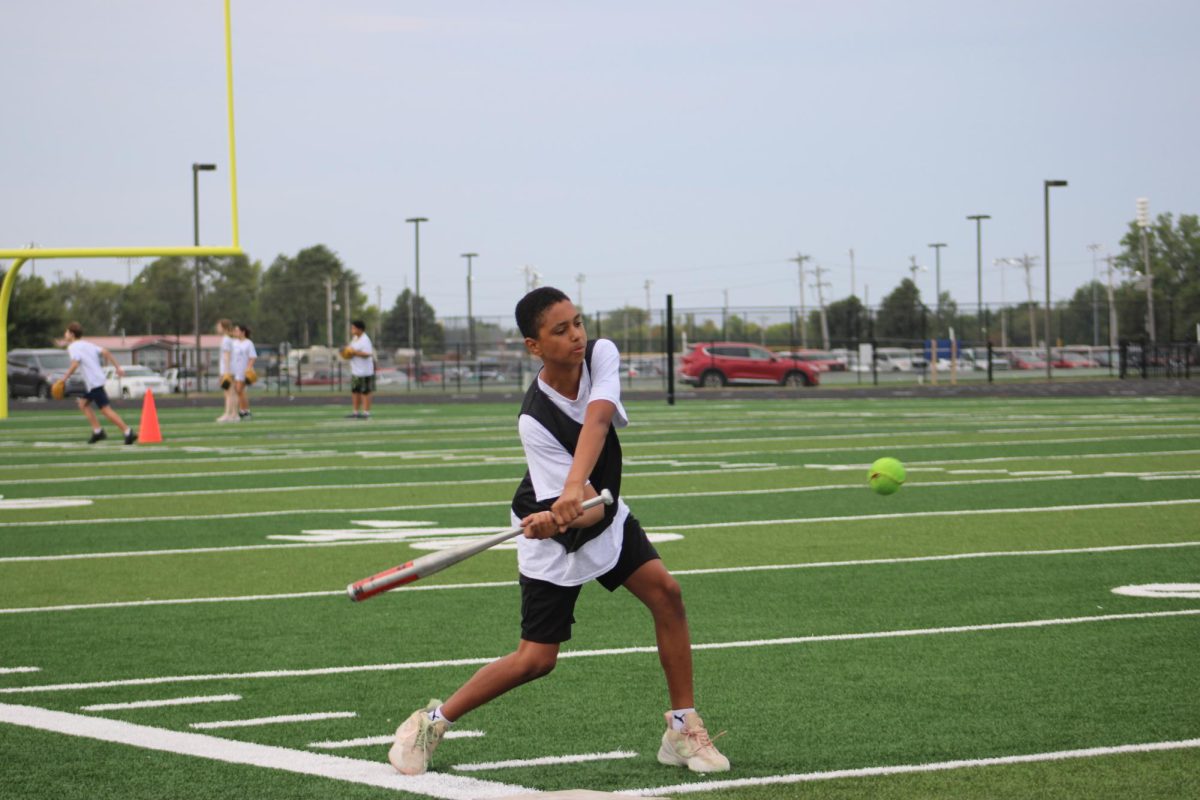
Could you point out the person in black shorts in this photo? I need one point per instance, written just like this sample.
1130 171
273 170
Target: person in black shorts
568 425
86 357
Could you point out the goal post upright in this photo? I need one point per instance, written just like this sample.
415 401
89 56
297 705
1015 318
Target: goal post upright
20 256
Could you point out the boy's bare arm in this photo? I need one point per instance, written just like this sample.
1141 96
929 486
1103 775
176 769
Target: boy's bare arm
542 525
110 358
596 421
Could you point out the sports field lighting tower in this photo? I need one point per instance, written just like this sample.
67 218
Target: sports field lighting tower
1047 185
937 280
983 328
416 305
1143 221
470 313
196 170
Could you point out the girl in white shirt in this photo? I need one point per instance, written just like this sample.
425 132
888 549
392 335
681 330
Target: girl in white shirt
225 328
241 360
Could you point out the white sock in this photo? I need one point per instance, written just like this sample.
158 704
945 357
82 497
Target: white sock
677 715
97 430
127 430
437 714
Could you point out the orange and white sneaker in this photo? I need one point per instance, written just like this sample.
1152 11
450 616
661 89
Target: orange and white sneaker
416 739
691 747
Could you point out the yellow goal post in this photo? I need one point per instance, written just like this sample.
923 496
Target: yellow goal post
20 256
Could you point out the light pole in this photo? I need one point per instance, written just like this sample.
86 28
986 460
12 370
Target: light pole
983 328
937 280
1143 221
1046 186
470 313
196 170
414 315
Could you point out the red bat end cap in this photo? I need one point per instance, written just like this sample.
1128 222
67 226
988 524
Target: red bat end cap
361 590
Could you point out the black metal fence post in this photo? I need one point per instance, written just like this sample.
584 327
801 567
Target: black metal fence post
670 340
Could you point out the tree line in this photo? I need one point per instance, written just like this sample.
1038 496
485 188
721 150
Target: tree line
287 302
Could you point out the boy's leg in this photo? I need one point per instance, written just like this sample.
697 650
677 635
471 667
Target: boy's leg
85 406
659 591
531 660
686 742
546 618
113 417
421 733
367 401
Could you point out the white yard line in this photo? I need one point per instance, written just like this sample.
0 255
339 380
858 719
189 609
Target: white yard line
928 514
18 670
282 719
701 571
619 651
372 741
174 701
370 773
904 769
545 761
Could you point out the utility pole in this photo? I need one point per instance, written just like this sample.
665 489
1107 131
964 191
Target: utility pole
346 300
1027 264
799 260
1095 248
580 279
329 312
1112 306
820 285
532 276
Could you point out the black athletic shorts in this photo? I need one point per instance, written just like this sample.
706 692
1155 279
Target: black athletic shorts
547 609
97 396
362 385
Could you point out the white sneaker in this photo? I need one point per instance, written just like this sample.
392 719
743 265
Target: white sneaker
691 747
416 740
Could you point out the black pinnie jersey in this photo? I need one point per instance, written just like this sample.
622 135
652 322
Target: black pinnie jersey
605 475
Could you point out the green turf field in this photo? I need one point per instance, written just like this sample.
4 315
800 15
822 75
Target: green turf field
960 639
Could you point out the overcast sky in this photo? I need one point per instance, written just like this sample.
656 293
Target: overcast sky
699 145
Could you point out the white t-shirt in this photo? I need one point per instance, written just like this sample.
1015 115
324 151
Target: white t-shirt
362 366
88 355
549 464
226 353
243 351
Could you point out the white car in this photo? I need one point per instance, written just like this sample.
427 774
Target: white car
135 382
178 380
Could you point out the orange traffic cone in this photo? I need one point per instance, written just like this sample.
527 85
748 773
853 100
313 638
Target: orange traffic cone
148 432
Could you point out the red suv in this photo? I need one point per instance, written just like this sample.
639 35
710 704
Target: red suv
715 364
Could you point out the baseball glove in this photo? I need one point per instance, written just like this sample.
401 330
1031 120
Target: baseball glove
347 352
226 381
58 390
251 375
